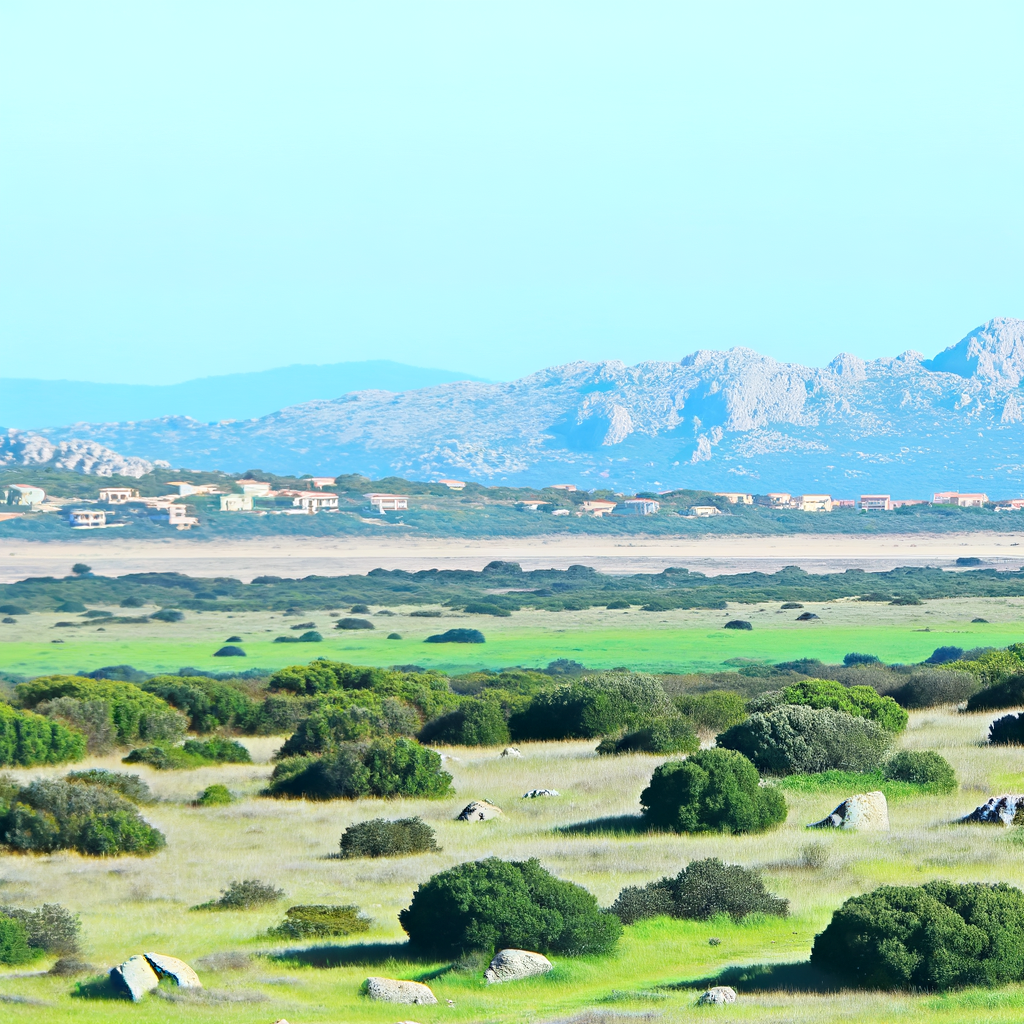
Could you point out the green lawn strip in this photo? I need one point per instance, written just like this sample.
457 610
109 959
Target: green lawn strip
847 783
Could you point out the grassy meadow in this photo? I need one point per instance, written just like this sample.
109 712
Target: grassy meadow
131 905
671 641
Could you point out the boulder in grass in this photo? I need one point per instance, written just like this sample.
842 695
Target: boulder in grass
134 978
511 752
865 812
513 964
177 970
720 995
534 793
1007 809
479 810
389 990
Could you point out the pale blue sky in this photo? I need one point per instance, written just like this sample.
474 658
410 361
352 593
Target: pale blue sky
197 187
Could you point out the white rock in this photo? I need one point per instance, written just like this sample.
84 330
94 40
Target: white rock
134 978
513 964
539 792
389 990
175 969
511 752
997 810
478 810
717 996
865 812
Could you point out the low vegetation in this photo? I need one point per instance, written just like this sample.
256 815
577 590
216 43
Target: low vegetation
131 787
244 895
320 921
26 935
191 754
28 739
383 838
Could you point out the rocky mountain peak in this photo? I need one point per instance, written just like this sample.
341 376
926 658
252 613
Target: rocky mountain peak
993 352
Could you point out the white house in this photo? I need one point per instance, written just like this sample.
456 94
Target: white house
875 503
236 503
260 488
637 507
87 518
705 511
117 495
387 502
25 494
813 502
315 501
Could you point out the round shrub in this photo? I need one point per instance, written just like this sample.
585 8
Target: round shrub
218 750
383 838
929 687
244 896
796 738
614 606
13 609
313 921
738 624
132 602
131 787
860 701
28 739
664 736
942 655
168 615
214 796
923 768
479 722
209 704
700 891
1006 694
862 659
394 636
14 947
494 904
69 607
457 636
349 623
360 609
229 651
711 791
713 711
936 936
1007 731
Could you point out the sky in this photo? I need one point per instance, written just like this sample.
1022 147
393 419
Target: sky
205 187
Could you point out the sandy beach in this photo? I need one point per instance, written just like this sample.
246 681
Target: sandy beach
712 555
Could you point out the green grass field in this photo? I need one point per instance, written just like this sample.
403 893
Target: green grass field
133 905
679 641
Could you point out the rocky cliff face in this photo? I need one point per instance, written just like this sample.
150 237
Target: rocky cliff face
18 448
727 420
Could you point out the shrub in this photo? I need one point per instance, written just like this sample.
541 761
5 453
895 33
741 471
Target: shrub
14 947
425 613
664 736
796 738
943 655
229 651
494 904
486 608
191 754
320 921
168 615
13 609
457 636
711 791
904 599
613 606
738 624
92 718
383 838
132 602
922 768
348 623
1007 731
134 713
700 891
394 636
382 768
28 739
1007 694
131 787
360 609
244 896
861 659
859 701
45 816
209 704
592 706
218 750
926 688
68 607
713 711
49 929
791 605
309 637
349 717
479 722
936 936
214 796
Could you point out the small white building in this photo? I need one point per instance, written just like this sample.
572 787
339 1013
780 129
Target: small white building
972 500
87 518
598 508
813 502
531 506
453 485
637 507
705 511
560 512
387 502
875 503
25 494
945 497
735 497
236 503
315 501
117 495
779 499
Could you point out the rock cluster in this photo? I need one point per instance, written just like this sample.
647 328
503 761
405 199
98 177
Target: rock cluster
866 812
998 810
390 990
534 793
513 964
140 974
717 996
478 810
511 752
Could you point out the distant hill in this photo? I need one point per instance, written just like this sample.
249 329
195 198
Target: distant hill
732 420
34 404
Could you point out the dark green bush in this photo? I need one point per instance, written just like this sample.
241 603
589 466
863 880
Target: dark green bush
229 651
132 602
478 722
457 636
711 791
45 816
922 768
592 706
12 609
168 615
486 608
382 838
314 921
926 688
796 738
244 896
944 655
309 637
28 739
1006 694
349 623
738 624
67 607
191 754
494 904
425 613
936 936
863 659
860 701
348 717
50 929
216 795
218 750
131 787
713 711
664 736
209 704
381 768
617 605
360 609
14 947
134 714
1007 731
701 890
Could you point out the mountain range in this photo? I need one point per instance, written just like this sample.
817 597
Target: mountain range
727 420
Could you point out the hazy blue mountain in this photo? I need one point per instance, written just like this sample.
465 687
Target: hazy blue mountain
725 420
34 404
